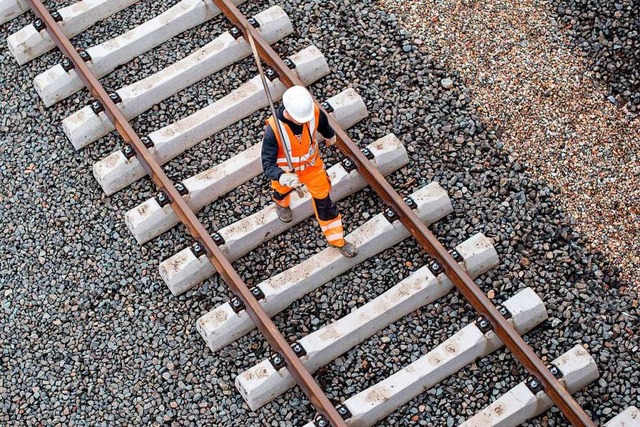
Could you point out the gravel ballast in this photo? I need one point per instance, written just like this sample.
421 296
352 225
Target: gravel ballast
91 336
608 33
534 88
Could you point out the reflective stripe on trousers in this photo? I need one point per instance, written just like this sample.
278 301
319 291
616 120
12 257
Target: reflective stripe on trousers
317 182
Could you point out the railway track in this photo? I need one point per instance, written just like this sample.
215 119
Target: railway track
213 252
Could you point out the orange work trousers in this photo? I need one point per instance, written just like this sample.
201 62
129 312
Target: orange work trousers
316 180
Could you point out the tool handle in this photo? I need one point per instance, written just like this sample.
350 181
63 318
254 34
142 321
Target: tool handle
273 108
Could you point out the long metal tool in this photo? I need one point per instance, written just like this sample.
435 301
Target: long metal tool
255 311
279 131
472 293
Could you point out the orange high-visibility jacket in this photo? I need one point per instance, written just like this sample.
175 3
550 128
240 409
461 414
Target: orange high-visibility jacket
303 149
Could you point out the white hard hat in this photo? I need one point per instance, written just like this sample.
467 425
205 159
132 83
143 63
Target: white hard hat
298 103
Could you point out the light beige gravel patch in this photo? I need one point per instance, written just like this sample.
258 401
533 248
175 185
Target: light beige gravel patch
528 81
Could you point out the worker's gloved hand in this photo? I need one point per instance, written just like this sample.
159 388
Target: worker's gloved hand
289 180
331 141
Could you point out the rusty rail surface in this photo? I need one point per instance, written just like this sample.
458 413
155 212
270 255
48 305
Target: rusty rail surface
462 281
255 311
481 303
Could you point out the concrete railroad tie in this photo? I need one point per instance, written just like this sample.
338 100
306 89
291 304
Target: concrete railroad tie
9 9
56 83
86 125
115 172
521 404
630 417
149 219
185 270
28 43
222 325
463 348
262 383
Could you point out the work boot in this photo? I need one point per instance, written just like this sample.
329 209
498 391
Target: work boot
284 214
349 250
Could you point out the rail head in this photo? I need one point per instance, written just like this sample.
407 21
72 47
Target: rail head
472 293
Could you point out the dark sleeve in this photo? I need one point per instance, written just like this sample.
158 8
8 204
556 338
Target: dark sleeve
324 128
270 155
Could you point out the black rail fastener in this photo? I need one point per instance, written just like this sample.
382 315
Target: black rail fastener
555 371
533 384
390 214
328 107
368 154
321 421
410 202
235 32
115 97
39 25
483 324
277 361
348 164
271 73
182 189
344 412
84 55
56 16
289 63
67 64
504 312
162 199
217 238
198 249
257 293
298 349
147 142
254 22
129 151
435 267
236 304
97 107
456 255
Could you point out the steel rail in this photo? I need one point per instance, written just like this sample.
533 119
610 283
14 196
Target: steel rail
255 311
472 293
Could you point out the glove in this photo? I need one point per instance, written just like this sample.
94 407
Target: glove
331 141
289 180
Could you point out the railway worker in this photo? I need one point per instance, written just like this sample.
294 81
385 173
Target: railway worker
300 119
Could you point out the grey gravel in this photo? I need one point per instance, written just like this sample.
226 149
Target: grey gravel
91 336
608 34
